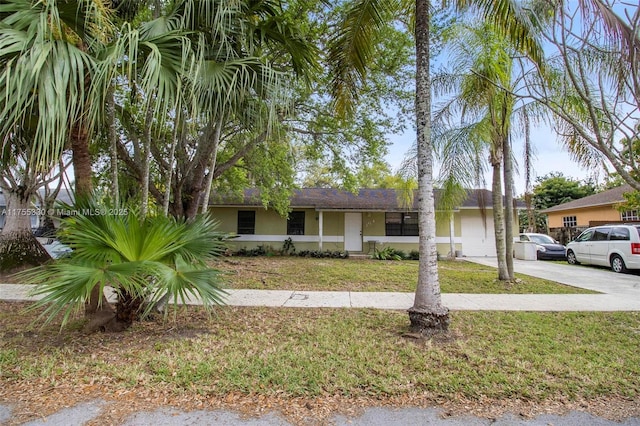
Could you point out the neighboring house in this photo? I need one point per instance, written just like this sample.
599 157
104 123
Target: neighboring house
331 219
567 220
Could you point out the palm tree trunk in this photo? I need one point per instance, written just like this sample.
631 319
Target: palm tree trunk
97 309
81 160
172 157
508 201
427 314
498 216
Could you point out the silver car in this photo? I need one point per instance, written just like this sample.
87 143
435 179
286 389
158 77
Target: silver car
615 246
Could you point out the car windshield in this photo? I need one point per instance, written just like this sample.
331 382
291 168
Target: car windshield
542 239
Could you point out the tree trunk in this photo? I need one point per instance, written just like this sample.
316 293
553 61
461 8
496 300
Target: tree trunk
110 110
19 248
171 162
498 216
212 167
427 314
81 161
508 201
146 163
97 310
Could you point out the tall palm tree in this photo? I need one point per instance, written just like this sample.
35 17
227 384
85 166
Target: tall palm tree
352 50
483 79
43 74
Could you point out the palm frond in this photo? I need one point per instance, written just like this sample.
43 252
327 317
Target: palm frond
510 20
352 49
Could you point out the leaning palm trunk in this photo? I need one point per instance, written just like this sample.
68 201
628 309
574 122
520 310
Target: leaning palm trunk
427 313
146 163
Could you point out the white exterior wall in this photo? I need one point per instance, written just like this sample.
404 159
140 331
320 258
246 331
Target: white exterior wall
478 237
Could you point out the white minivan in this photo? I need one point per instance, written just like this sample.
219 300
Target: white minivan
616 246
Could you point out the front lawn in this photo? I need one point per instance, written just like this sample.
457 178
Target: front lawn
310 274
310 362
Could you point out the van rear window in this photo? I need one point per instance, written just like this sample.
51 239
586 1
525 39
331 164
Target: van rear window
619 234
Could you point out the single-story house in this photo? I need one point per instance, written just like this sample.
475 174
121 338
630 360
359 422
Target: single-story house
566 220
332 219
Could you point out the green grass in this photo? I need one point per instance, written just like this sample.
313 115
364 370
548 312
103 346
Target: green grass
327 352
295 273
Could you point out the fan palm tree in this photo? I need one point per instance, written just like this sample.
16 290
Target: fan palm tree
141 259
352 50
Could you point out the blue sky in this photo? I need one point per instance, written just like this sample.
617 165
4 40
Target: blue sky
549 157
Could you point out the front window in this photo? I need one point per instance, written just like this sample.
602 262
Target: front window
401 224
630 216
295 223
246 222
570 221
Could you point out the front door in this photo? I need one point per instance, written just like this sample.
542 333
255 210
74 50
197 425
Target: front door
353 231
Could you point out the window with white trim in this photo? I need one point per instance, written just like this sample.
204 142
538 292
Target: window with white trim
629 216
295 223
569 221
401 224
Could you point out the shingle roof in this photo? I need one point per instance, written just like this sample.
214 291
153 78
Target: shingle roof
337 199
604 198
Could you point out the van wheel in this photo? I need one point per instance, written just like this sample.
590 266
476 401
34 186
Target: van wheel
617 264
571 258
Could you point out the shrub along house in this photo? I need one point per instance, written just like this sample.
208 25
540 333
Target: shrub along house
331 219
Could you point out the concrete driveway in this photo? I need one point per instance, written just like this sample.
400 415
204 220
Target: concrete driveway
589 277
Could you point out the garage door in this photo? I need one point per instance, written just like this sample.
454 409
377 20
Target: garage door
477 235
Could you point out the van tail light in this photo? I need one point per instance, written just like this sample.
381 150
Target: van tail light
635 248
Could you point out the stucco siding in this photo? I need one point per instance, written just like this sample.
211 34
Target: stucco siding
373 224
227 219
332 224
470 235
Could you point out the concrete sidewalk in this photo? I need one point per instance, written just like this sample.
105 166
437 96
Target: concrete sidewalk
621 292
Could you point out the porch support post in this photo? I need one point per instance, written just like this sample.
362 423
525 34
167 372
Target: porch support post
320 232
